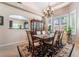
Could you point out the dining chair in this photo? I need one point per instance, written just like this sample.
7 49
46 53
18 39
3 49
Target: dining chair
58 41
49 45
55 45
50 42
29 41
61 37
64 38
34 44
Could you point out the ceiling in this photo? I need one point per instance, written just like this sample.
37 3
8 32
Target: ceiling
37 7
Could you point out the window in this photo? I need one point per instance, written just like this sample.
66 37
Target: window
64 22
15 25
18 22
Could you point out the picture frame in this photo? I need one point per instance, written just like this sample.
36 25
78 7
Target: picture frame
1 20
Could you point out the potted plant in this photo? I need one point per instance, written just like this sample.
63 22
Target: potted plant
68 31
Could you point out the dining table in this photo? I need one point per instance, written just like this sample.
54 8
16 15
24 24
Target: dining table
42 38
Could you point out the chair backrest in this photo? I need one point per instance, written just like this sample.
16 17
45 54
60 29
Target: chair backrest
57 37
29 37
64 39
54 37
61 36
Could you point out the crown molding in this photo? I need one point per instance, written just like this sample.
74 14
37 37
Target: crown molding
20 8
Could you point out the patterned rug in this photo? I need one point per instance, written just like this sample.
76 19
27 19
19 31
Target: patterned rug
66 51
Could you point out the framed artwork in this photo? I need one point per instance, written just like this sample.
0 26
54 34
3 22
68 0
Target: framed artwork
1 20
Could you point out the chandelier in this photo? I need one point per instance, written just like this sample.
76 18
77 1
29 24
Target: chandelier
48 12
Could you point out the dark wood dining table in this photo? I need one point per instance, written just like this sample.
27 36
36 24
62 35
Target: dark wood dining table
42 38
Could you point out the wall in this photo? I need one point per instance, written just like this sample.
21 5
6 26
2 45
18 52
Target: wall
61 11
12 36
6 11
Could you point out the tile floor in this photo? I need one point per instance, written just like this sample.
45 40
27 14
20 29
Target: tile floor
9 51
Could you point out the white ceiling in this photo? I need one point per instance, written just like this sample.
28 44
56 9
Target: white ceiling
37 7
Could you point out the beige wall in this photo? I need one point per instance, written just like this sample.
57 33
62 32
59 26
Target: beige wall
61 11
6 11
12 36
